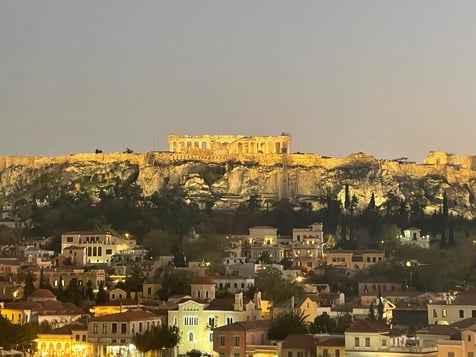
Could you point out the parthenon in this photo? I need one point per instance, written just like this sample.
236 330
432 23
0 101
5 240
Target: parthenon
234 144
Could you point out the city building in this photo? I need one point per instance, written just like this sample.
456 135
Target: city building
245 338
452 308
306 246
353 259
413 235
372 338
67 341
198 316
100 246
111 335
41 307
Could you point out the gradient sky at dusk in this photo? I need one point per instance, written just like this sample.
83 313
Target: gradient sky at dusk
389 78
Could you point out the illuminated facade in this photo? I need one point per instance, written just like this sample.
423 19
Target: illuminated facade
66 341
100 246
197 317
111 335
233 144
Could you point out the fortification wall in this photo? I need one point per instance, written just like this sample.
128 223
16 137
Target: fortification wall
443 158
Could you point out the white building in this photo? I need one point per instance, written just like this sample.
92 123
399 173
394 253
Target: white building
100 246
370 338
196 317
413 235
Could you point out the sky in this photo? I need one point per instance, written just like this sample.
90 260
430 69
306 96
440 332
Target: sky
388 78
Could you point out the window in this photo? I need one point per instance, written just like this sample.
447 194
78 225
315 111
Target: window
123 328
211 322
108 251
461 314
83 338
210 337
356 342
444 312
384 342
114 328
229 320
95 328
236 355
435 313
104 328
190 337
470 354
221 340
190 320
77 338
290 354
325 352
236 341
337 353
469 338
367 342
451 354
69 239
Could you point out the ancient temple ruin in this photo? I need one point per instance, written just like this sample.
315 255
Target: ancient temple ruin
234 144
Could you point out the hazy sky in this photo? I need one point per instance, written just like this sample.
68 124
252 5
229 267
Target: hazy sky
389 78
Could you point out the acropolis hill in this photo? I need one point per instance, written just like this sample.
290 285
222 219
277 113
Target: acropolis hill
227 170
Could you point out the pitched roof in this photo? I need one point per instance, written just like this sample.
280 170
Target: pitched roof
246 325
41 294
332 341
367 325
466 298
120 302
302 342
130 315
203 280
221 304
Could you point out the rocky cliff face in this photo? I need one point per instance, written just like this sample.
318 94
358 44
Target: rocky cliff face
228 180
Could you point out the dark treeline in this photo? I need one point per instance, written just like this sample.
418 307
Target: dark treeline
124 209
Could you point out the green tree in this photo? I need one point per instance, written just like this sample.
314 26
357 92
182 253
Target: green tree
451 237
288 322
323 324
28 278
344 320
156 338
380 309
371 314
274 286
101 296
19 337
443 239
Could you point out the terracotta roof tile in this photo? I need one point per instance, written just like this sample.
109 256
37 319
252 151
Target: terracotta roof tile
246 325
367 326
303 342
221 304
203 280
130 315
